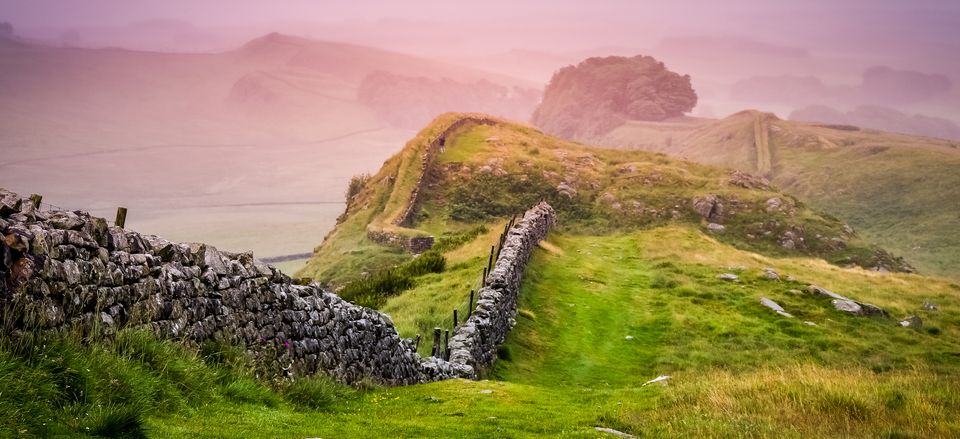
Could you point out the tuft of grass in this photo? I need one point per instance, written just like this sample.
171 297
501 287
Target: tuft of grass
317 392
372 291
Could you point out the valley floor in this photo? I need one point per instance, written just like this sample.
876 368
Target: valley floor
600 316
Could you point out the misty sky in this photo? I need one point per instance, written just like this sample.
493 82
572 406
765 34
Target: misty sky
863 25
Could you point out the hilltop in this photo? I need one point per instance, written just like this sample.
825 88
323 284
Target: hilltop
466 171
894 189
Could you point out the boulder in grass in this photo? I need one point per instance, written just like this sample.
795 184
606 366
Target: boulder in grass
728 276
848 306
912 322
775 306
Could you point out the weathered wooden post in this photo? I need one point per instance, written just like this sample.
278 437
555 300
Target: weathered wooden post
436 343
446 344
483 280
36 198
416 343
490 259
470 308
121 217
455 321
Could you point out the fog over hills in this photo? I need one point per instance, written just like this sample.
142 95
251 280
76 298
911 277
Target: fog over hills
258 76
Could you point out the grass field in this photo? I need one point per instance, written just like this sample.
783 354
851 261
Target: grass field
738 369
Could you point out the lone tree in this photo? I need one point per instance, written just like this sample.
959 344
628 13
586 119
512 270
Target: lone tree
600 94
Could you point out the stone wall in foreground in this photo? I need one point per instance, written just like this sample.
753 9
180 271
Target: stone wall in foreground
66 270
62 270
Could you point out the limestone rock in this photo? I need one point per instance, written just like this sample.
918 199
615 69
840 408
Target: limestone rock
708 206
728 276
775 306
774 204
614 432
771 274
748 181
566 190
912 322
714 227
847 305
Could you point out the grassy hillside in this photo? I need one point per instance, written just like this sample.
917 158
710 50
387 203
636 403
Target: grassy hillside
895 189
486 173
613 299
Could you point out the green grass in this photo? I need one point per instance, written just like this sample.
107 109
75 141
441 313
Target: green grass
58 386
488 173
897 190
738 369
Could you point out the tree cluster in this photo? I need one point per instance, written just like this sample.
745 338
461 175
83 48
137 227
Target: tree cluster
600 94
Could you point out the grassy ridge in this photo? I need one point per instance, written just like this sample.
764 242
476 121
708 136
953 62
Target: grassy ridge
897 190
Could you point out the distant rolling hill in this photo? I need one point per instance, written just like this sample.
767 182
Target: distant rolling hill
174 135
897 190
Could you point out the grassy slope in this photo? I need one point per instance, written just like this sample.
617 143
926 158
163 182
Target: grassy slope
616 189
738 369
896 189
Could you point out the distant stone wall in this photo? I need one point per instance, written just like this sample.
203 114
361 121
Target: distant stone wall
434 148
62 270
475 343
414 244
420 244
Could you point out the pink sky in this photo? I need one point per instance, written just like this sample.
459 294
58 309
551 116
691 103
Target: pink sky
882 28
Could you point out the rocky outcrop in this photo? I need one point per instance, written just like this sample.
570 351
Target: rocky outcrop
475 343
709 207
775 306
68 271
414 244
848 305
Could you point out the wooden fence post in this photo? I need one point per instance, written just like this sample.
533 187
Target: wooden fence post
455 322
416 343
483 280
470 308
490 259
436 343
446 344
121 217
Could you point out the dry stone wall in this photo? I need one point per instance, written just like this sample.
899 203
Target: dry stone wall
62 270
66 270
420 244
475 343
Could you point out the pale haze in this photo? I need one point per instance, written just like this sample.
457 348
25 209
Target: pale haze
217 120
